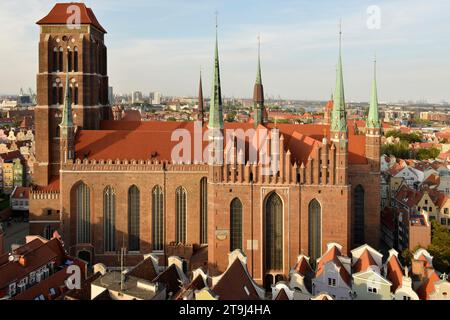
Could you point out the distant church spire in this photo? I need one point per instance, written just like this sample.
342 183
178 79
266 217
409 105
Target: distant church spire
373 120
200 114
258 93
215 110
339 116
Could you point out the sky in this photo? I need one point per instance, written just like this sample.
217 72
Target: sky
161 45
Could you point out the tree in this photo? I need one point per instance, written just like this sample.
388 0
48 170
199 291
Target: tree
440 247
428 153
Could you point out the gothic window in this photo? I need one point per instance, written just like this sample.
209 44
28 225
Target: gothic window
204 211
109 218
235 224
133 219
158 218
54 99
60 94
69 59
83 214
359 215
55 60
315 230
180 208
75 59
274 233
61 59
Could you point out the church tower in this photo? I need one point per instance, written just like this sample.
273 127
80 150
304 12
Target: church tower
373 128
67 129
71 39
339 129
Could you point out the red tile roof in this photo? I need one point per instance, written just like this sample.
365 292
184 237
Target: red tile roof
394 272
332 255
302 267
364 262
138 140
233 282
61 13
428 286
21 193
282 295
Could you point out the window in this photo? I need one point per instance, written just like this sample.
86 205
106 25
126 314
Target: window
60 95
359 215
426 201
75 59
158 218
372 289
55 60
133 219
204 211
445 210
332 282
406 298
443 221
61 60
69 59
235 224
274 232
315 230
109 218
180 208
83 214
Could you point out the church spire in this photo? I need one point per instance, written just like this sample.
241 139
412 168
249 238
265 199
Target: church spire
339 117
215 110
200 115
258 93
67 120
373 120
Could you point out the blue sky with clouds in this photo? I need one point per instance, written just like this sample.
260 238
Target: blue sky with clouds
161 45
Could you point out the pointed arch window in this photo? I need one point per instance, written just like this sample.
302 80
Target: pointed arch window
69 59
204 211
61 59
109 218
55 59
180 208
75 59
274 232
235 224
158 219
315 229
54 99
133 219
359 215
83 214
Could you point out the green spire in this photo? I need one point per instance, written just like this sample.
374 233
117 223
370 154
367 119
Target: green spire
258 93
339 116
373 120
215 110
67 120
258 70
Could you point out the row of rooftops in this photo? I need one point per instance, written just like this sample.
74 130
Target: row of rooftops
147 280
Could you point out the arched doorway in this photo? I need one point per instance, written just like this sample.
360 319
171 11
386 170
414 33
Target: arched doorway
273 234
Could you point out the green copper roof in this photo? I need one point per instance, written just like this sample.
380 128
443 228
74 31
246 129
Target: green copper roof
215 110
258 70
339 116
67 120
373 120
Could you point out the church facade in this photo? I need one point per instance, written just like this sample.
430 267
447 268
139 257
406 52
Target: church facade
106 184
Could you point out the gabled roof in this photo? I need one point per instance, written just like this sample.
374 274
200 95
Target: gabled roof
144 270
235 284
332 256
171 279
62 12
364 262
427 286
282 295
196 284
394 272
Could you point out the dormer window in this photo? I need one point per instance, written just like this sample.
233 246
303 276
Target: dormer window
332 282
372 290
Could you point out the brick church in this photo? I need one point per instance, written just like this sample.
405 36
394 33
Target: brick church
107 184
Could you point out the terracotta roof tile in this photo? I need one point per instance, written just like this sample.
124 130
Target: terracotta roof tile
394 272
282 295
61 13
364 262
332 255
428 286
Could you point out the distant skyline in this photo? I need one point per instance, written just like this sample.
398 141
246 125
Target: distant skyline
161 46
